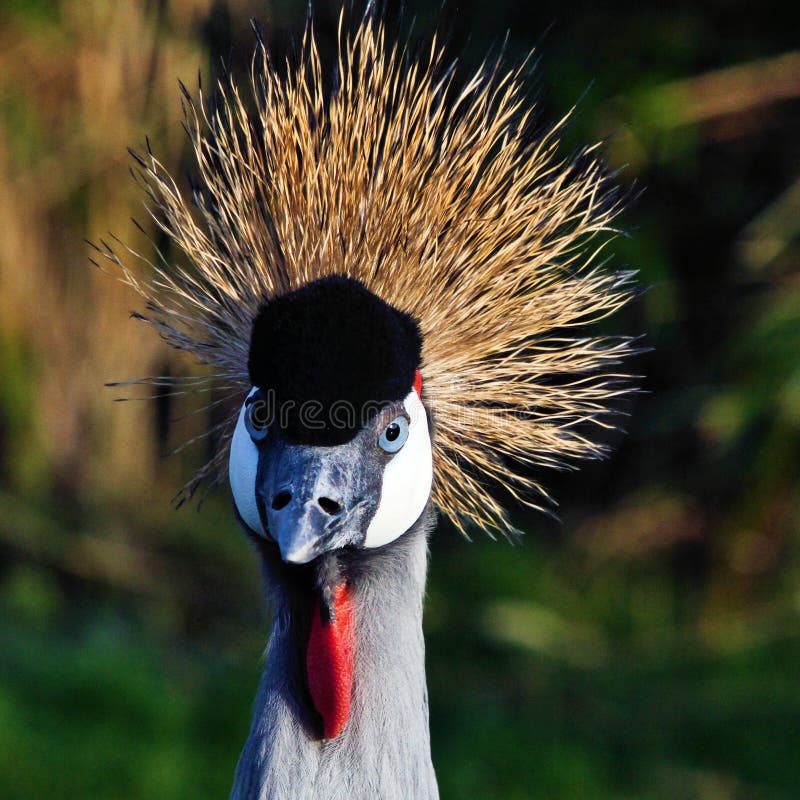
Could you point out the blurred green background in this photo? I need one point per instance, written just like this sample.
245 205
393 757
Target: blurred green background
648 646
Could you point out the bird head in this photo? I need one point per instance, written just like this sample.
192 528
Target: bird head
332 445
348 233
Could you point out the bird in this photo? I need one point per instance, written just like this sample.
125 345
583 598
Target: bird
390 268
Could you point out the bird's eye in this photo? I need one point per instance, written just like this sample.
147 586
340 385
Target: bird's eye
394 435
256 417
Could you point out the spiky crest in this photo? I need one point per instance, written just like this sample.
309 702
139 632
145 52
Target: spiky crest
444 205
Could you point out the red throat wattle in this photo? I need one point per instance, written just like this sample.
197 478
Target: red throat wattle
329 662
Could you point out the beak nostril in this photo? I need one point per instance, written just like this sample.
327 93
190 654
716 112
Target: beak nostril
281 500
329 506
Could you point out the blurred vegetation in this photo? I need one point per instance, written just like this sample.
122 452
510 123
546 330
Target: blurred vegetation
647 647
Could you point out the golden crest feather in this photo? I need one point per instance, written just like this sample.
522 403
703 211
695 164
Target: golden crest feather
444 205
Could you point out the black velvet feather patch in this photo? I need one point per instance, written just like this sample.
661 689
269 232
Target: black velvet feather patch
329 355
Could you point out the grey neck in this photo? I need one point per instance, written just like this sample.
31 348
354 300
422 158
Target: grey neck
384 750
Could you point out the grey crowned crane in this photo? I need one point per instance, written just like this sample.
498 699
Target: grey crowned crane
387 275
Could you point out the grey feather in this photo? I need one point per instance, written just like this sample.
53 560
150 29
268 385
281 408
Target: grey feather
384 751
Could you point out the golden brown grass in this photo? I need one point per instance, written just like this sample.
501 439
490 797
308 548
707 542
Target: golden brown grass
442 202
76 88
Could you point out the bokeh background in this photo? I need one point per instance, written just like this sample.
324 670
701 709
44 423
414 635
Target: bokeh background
647 646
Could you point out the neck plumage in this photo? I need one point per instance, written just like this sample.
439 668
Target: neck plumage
384 749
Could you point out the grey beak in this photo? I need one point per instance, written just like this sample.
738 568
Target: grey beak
302 530
310 498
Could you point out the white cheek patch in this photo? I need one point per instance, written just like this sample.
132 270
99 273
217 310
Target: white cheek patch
242 471
407 480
